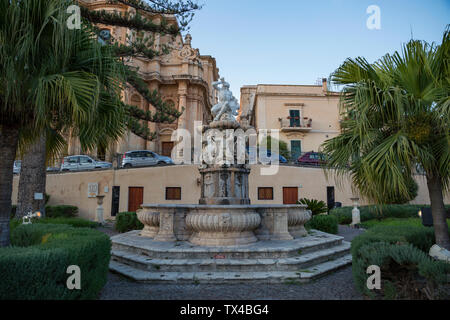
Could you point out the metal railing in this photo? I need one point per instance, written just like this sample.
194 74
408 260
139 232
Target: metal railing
289 123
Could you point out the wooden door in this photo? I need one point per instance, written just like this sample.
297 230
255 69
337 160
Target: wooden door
290 195
135 198
330 198
115 201
167 149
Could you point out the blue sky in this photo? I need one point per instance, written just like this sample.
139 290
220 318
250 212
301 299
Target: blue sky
297 41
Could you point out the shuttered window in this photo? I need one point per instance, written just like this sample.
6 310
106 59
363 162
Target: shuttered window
265 193
173 193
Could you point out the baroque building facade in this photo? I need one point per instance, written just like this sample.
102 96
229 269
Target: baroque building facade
183 78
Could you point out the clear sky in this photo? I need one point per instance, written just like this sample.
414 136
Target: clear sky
299 41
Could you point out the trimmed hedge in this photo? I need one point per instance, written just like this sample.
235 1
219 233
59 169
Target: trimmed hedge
127 221
74 222
35 266
59 211
325 223
406 268
344 214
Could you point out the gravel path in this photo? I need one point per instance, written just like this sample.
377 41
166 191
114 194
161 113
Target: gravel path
336 286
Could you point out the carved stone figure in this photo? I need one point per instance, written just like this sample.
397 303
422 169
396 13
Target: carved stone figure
228 105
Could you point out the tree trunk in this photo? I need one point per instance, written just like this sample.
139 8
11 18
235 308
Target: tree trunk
438 211
33 178
9 137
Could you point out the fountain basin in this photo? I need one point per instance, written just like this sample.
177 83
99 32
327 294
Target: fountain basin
223 225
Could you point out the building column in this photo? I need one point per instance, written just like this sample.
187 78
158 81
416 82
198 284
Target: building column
182 102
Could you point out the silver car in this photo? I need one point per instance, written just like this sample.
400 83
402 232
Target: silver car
82 162
140 158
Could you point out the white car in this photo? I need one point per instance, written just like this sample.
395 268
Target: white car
140 158
82 162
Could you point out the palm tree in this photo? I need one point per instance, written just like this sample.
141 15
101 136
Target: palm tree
395 118
107 125
42 86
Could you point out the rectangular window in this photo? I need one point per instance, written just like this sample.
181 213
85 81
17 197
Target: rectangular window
173 193
296 149
265 193
294 116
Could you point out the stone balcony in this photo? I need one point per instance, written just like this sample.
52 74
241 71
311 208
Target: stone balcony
304 125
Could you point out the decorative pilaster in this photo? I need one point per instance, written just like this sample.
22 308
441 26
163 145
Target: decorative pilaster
166 225
274 224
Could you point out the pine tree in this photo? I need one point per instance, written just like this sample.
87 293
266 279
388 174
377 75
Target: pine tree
143 46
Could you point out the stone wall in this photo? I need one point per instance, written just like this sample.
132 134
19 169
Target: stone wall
72 188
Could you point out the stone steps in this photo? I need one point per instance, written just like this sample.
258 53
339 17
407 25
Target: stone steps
232 277
302 261
131 242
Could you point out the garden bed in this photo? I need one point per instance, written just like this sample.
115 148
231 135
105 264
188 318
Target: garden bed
35 266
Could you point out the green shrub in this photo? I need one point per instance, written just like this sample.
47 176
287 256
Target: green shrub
59 211
406 272
398 251
13 211
35 266
344 214
127 221
74 222
325 223
14 223
316 206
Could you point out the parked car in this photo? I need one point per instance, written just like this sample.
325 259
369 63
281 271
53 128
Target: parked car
17 166
82 162
140 158
312 158
281 159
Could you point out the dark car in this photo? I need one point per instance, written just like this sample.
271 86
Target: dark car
312 159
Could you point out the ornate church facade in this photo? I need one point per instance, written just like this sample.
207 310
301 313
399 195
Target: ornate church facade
183 78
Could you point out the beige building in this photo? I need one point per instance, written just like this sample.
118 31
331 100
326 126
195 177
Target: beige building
306 115
183 78
127 189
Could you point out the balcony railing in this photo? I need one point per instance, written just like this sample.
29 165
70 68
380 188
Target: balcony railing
295 124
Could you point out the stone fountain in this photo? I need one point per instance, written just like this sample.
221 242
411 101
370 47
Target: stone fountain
224 237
